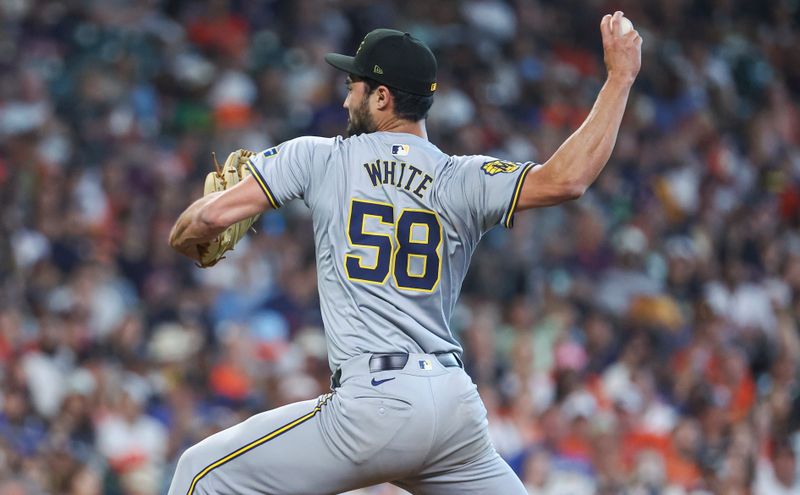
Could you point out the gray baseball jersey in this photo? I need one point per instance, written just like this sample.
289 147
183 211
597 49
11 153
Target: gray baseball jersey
396 221
395 224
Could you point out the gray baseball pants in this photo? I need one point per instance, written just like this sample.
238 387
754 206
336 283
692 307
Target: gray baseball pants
422 428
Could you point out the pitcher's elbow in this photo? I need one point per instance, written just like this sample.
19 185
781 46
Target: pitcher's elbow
574 190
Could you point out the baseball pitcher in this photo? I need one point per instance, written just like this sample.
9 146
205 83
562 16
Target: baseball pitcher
396 221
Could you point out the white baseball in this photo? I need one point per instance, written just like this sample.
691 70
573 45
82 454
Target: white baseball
625 26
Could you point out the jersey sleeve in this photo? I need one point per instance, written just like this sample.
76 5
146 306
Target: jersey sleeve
485 190
286 171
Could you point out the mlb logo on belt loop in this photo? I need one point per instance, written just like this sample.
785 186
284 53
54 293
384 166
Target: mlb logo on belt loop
425 364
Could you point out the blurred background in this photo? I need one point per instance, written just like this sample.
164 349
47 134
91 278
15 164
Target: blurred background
643 339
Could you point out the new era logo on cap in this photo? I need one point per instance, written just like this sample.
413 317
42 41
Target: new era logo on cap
400 149
377 69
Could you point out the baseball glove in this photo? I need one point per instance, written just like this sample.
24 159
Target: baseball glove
234 171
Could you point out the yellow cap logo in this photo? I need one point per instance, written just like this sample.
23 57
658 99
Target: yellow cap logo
433 86
377 69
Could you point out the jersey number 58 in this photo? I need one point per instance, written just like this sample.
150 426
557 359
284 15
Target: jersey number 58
416 235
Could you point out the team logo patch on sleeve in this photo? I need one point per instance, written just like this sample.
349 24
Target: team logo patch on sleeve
271 152
400 149
495 167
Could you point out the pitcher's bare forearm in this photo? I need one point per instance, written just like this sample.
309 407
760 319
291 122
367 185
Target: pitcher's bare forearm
580 159
192 228
210 215
584 154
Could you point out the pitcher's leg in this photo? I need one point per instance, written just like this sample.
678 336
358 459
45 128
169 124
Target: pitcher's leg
463 460
279 451
331 445
487 475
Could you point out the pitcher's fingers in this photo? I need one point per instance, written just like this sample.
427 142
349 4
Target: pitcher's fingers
615 22
631 34
605 24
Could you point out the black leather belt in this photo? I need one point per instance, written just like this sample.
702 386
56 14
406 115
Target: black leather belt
388 361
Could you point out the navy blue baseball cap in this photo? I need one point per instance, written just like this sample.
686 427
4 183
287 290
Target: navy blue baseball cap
393 58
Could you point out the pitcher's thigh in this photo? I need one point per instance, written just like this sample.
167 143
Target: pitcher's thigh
280 451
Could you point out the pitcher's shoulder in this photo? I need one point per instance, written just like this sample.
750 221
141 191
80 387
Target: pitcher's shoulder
462 162
319 142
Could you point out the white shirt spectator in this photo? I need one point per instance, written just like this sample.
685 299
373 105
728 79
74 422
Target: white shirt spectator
767 483
129 438
748 305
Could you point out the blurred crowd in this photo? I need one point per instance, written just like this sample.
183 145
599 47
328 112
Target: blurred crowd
643 339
